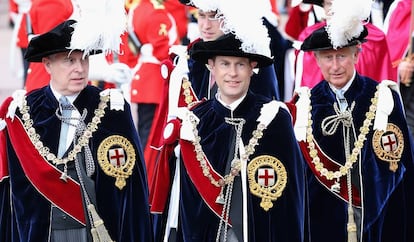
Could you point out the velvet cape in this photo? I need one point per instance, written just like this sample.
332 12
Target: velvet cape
125 212
285 220
387 197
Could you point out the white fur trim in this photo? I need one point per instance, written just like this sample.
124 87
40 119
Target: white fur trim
18 98
116 101
186 131
268 112
302 113
385 104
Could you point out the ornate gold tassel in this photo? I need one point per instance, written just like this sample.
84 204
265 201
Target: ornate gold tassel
351 226
98 230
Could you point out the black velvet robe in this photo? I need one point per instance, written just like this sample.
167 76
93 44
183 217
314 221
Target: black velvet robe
285 220
386 197
125 212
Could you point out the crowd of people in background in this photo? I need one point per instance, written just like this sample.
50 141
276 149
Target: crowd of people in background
174 23
322 117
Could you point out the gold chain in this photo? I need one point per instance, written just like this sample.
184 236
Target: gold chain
83 140
359 143
250 148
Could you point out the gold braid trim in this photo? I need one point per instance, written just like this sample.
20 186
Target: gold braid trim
235 170
82 141
359 143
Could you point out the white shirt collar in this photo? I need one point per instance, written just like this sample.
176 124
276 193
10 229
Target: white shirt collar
57 95
233 105
346 87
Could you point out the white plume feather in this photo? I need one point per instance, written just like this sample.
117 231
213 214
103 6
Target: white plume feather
346 19
100 26
206 5
246 24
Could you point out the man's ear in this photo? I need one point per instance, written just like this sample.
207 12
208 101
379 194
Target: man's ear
253 64
209 64
46 63
357 51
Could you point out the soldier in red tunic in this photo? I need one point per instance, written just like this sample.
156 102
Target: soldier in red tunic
156 32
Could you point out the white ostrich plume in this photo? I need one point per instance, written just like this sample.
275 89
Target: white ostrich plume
346 19
100 26
246 24
206 5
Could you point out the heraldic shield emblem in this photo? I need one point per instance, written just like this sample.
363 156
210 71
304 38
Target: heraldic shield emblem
267 179
116 156
389 145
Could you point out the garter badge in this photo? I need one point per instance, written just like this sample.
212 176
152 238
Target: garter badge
116 156
267 179
388 145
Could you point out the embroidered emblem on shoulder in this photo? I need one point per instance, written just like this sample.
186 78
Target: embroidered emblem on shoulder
116 156
267 179
388 145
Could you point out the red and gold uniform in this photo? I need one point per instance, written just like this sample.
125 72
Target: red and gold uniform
156 30
126 55
179 12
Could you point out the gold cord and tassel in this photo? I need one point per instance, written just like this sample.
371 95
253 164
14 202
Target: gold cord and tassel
349 133
98 230
351 226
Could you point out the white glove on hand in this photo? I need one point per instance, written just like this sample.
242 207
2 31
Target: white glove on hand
100 69
119 73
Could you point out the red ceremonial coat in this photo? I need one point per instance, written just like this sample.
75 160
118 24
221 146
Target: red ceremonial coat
156 30
13 8
126 55
296 22
179 12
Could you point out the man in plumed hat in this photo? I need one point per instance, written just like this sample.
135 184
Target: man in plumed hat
354 137
374 60
241 170
71 162
161 160
212 16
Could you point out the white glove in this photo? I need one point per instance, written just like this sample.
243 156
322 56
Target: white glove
100 69
119 73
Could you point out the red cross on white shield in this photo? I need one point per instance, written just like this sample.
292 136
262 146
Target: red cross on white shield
389 142
117 157
266 177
